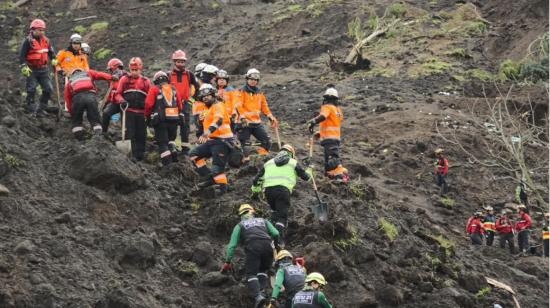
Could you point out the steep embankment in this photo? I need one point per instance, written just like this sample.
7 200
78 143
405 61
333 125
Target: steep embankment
83 226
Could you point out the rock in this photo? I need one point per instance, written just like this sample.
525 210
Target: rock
6 300
202 253
63 218
44 296
101 165
324 259
214 279
425 287
369 301
139 253
471 281
8 121
24 247
4 191
389 295
306 31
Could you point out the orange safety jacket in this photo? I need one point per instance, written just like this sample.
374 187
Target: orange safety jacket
545 233
330 127
68 61
38 52
251 104
217 117
230 96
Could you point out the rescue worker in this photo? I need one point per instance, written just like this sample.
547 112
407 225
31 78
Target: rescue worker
251 104
228 94
185 83
489 221
521 193
80 97
505 229
213 142
198 70
34 57
131 93
208 74
522 228
312 296
441 168
257 235
164 112
278 177
546 233
116 67
330 119
474 228
290 276
73 57
86 49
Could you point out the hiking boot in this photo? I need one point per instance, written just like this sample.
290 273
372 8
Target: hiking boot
259 301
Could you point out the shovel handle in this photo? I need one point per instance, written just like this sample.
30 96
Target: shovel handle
58 95
124 122
310 147
277 136
315 189
104 100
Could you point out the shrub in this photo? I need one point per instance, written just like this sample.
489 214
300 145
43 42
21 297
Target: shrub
389 229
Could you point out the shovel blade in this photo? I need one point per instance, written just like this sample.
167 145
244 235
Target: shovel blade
125 146
320 211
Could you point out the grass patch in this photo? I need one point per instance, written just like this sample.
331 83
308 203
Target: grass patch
160 3
480 74
351 241
509 70
215 5
102 53
80 29
152 157
482 293
187 268
288 12
12 161
458 53
389 229
317 7
7 6
431 66
195 206
447 245
447 202
465 21
387 72
434 261
459 78
397 10
99 26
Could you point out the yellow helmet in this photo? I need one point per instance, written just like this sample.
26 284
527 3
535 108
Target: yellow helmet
290 149
283 254
521 207
316 277
439 151
245 208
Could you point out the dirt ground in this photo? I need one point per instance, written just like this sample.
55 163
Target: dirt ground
83 226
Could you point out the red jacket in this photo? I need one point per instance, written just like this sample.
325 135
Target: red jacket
153 95
114 85
474 225
442 166
134 91
182 81
504 225
83 85
524 222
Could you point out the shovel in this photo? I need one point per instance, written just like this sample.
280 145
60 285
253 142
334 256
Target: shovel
104 100
125 146
320 210
58 116
277 136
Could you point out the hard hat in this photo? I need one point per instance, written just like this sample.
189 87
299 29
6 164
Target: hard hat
283 254
316 277
211 69
489 208
76 38
253 74
521 207
200 67
136 63
439 151
478 213
245 208
206 89
179 55
38 24
331 92
159 77
86 48
114 63
221 74
290 149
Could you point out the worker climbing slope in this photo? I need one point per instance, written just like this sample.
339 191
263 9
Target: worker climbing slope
290 276
312 295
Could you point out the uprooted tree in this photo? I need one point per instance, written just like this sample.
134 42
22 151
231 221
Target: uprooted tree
515 132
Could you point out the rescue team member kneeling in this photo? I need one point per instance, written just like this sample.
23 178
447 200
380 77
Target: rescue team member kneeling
278 178
290 276
163 111
130 94
213 141
312 296
257 234
80 97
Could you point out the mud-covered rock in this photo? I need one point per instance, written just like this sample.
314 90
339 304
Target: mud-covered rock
97 163
389 294
202 253
471 281
8 121
44 296
4 191
24 247
322 257
136 250
214 279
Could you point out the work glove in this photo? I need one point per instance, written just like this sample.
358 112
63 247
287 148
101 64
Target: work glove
256 188
311 127
26 71
309 172
274 121
203 138
55 62
300 261
226 267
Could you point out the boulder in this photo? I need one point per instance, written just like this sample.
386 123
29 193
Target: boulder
202 253
321 257
472 282
101 165
135 250
24 247
214 279
389 295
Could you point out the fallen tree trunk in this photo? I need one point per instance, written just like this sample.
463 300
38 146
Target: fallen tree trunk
356 49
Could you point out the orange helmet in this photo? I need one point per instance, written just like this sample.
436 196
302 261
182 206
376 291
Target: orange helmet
179 55
136 63
38 24
114 63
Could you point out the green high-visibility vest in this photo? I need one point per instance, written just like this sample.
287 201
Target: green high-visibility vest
280 175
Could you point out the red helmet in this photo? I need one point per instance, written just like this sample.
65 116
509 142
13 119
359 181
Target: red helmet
38 24
114 63
159 77
136 63
179 55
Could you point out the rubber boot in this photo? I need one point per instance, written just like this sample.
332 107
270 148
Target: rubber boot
173 151
259 301
254 287
262 279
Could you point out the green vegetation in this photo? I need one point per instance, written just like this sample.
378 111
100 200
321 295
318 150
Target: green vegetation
160 3
317 7
351 241
480 74
447 202
434 261
389 229
397 10
187 268
102 53
509 70
458 53
7 5
80 29
447 245
483 292
464 21
532 68
195 206
430 66
152 157
99 26
12 161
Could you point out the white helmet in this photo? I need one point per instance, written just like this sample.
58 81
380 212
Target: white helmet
331 92
221 74
206 89
253 74
76 38
86 48
211 69
200 67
